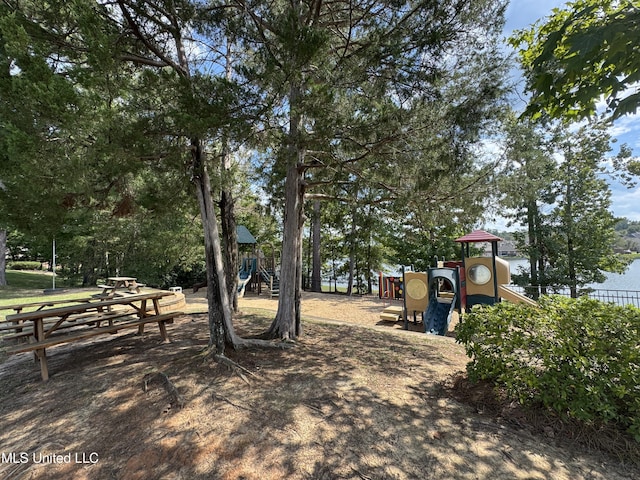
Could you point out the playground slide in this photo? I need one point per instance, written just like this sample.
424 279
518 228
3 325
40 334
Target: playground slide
242 283
514 297
244 277
438 315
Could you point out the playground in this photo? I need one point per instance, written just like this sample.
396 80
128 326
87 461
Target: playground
442 293
359 397
356 310
432 301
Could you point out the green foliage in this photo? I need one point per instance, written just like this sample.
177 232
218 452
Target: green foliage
579 357
418 248
100 102
624 226
389 106
554 185
185 275
581 52
24 265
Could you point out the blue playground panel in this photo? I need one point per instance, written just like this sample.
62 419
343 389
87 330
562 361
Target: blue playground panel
438 316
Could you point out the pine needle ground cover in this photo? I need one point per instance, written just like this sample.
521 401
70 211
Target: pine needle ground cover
349 402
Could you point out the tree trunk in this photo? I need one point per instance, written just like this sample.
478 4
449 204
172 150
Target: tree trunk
571 265
92 264
573 281
220 326
352 252
542 279
534 248
316 276
3 257
298 290
230 243
369 269
286 325
227 207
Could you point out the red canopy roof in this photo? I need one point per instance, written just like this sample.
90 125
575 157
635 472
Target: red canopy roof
479 236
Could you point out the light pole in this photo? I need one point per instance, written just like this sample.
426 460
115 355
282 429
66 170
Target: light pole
54 264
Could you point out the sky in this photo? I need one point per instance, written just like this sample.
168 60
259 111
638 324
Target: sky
625 202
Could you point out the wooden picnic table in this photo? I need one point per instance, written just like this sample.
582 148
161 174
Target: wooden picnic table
129 284
53 326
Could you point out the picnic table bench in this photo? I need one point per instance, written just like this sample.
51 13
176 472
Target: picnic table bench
48 327
21 331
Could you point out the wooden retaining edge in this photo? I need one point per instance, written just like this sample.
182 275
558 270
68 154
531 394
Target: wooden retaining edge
177 301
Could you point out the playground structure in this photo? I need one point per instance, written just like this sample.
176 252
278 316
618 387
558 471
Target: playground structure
256 274
256 270
450 286
434 294
487 276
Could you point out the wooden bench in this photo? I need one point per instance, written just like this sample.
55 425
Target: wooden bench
14 326
26 331
40 346
104 304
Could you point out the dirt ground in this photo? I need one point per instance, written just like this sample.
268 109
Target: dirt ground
356 398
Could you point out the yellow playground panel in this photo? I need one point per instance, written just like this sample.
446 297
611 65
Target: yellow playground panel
416 297
416 291
479 276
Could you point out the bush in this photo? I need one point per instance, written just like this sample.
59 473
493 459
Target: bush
185 275
578 357
24 265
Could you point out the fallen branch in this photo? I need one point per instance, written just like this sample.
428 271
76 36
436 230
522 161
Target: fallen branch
217 396
361 475
235 367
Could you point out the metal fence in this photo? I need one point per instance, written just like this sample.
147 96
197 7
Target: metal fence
618 297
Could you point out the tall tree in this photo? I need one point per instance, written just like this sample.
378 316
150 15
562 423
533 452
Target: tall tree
3 250
347 77
556 186
3 257
227 199
525 186
582 234
34 150
316 275
171 107
159 36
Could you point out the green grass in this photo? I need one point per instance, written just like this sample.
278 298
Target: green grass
21 280
25 286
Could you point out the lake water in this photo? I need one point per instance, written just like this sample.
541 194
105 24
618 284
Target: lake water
629 280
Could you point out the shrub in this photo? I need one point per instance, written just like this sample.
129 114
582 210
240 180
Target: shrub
24 265
578 357
185 275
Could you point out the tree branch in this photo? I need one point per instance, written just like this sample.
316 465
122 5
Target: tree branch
133 58
148 44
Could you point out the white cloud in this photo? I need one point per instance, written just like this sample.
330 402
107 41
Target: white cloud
626 203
